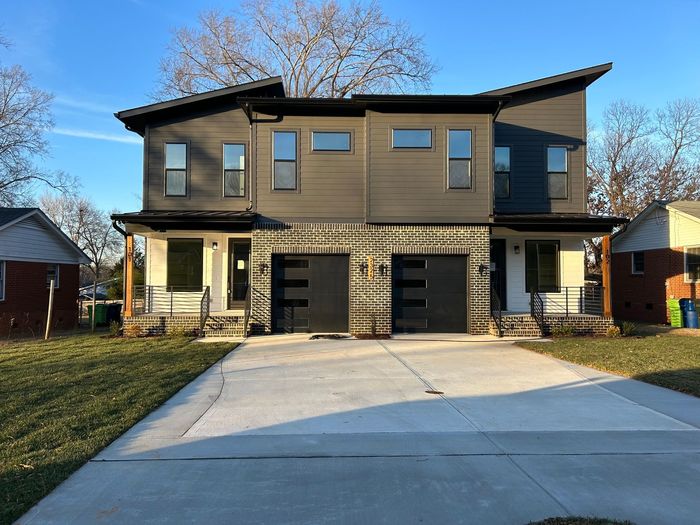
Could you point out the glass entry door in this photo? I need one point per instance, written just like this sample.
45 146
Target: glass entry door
238 272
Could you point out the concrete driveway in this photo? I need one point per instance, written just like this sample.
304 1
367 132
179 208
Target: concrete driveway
288 430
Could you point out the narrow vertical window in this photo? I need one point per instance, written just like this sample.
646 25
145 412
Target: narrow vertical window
175 170
501 172
692 264
52 274
557 173
234 170
638 262
459 152
542 266
285 160
2 280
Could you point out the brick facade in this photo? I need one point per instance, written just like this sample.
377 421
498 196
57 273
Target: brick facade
643 297
23 311
162 324
370 299
524 325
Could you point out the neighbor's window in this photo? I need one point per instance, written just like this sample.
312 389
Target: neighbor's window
557 173
234 170
52 273
692 264
459 159
638 262
175 169
185 263
412 138
330 140
2 280
542 266
285 160
501 172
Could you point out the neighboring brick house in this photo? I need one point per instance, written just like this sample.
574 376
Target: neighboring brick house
33 250
656 257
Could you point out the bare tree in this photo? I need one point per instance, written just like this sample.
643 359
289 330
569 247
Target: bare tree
639 157
321 49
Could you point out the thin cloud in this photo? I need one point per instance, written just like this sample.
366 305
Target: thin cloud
90 107
87 134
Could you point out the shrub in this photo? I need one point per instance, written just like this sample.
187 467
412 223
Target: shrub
613 331
563 330
114 328
627 329
133 330
181 331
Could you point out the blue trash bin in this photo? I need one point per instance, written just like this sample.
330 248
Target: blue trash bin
683 303
690 315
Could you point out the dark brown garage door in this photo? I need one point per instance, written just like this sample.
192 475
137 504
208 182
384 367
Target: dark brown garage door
429 293
310 293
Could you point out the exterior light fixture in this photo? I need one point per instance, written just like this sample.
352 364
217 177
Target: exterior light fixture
263 267
516 249
383 269
363 268
483 269
215 246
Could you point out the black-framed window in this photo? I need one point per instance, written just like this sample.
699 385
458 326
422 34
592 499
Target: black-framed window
542 266
285 160
2 280
692 264
557 172
234 170
330 140
411 138
52 272
175 169
459 159
638 262
501 172
185 264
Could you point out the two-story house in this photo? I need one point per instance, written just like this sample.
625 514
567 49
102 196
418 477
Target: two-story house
369 214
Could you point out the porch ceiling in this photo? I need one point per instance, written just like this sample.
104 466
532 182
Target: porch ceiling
558 222
189 220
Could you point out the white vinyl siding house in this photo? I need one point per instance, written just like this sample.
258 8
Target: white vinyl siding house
20 242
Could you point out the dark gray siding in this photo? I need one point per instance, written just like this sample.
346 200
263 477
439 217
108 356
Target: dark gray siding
531 122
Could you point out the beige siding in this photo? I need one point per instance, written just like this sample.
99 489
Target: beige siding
330 185
205 135
411 186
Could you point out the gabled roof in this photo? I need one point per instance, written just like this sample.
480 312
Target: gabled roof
12 216
690 209
588 75
135 119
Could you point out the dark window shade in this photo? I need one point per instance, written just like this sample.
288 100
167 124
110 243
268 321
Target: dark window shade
185 264
692 264
542 266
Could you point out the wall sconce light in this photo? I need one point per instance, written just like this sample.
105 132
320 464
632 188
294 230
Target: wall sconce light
483 269
383 269
516 249
363 268
215 246
263 267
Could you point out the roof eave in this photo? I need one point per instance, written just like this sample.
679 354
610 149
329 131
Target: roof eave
588 74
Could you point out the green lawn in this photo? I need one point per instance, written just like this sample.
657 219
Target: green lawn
64 400
667 360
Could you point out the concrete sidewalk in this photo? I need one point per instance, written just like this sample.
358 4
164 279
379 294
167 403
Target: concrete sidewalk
288 430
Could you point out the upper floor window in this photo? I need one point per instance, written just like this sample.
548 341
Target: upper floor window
2 280
501 172
52 273
638 262
284 175
412 138
557 173
175 169
459 159
234 170
542 266
330 140
692 264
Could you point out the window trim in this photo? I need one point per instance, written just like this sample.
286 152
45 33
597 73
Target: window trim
565 147
686 279
57 280
634 271
223 169
448 159
204 257
297 174
187 169
411 148
554 241
351 142
510 169
3 278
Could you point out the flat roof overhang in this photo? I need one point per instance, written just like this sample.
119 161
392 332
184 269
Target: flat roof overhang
161 221
557 222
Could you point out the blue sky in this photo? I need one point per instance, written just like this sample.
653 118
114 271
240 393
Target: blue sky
100 56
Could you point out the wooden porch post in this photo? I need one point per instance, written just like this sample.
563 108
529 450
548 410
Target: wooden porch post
605 267
128 275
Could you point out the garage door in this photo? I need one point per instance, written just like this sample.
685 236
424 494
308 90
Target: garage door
429 293
310 293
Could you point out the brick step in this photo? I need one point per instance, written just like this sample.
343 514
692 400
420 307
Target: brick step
224 326
516 326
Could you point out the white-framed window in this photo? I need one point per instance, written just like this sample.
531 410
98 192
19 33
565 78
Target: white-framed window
557 172
234 170
175 169
2 280
638 263
459 159
692 264
52 272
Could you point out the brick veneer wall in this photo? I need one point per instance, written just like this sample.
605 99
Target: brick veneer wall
643 297
162 324
370 299
23 311
525 325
